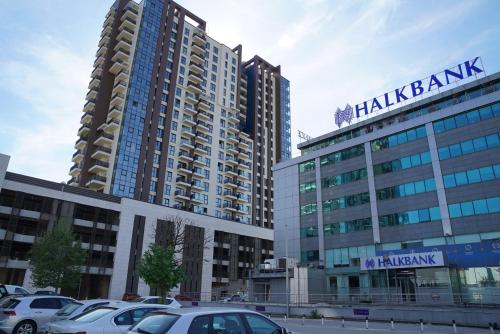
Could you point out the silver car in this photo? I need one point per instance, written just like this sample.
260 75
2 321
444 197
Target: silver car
156 300
27 315
203 320
78 307
113 318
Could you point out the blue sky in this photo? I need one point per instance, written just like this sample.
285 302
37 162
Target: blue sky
333 53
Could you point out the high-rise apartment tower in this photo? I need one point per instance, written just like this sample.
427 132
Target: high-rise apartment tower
175 118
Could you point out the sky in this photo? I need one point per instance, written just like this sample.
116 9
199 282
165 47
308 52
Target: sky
333 53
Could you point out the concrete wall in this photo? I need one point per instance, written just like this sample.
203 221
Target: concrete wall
4 162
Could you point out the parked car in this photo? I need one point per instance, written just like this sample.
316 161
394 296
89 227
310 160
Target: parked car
7 290
46 293
78 307
156 300
200 320
29 314
114 318
129 296
235 298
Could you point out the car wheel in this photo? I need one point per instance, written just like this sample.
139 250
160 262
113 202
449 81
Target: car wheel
25 327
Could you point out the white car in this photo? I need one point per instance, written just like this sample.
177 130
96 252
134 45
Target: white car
7 289
113 318
203 320
156 300
235 298
78 307
27 315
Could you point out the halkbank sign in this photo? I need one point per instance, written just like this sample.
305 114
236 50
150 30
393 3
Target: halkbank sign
418 88
411 260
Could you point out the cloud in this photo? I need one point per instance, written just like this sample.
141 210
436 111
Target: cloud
49 81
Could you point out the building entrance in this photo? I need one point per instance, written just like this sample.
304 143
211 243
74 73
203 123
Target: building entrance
406 283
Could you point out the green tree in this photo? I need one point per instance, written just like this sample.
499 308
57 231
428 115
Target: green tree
160 270
56 259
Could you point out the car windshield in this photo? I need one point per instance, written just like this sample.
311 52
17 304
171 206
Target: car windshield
139 300
155 324
69 308
94 314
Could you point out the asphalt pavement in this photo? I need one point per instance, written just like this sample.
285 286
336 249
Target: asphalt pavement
350 327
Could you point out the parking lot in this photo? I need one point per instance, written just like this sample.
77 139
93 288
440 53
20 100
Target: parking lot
335 326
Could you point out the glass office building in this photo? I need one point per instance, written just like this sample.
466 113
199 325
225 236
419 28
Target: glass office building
406 203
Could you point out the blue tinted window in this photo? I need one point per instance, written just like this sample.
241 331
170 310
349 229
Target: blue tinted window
455 150
467 209
485 113
480 206
461 178
424 215
480 144
493 204
449 181
430 184
412 134
413 217
454 210
473 116
497 171
425 157
415 160
492 140
467 147
406 162
444 153
435 214
419 187
421 132
461 120
438 126
487 173
449 123
473 176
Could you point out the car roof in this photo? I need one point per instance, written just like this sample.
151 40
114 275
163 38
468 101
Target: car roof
95 301
206 310
31 297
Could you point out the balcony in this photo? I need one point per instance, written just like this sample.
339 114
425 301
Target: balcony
244 163
230 194
243 98
230 160
124 44
229 207
97 71
229 182
101 51
75 170
121 55
112 125
232 139
186 144
245 176
96 182
231 172
78 156
194 77
83 130
92 94
188 120
199 148
87 117
120 86
191 98
199 161
199 38
128 23
202 105
198 173
99 167
189 109
230 148
123 75
197 185
115 112
126 33
106 31
104 40
231 117
203 127
183 168
130 13
118 66
117 99
101 153
89 106
194 88
109 20
99 61
104 139
201 138
196 197
198 49
197 59
242 198
182 181
232 128
81 143
202 115
185 156
95 82
74 181
195 67
181 194
244 145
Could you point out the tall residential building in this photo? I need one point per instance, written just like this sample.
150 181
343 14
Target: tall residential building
172 119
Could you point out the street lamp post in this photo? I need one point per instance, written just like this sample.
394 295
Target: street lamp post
287 283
